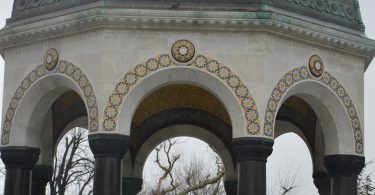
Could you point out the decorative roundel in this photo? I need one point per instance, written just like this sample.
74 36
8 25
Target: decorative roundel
316 66
183 51
50 59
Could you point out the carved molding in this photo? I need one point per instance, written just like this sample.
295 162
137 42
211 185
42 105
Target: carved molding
343 9
297 29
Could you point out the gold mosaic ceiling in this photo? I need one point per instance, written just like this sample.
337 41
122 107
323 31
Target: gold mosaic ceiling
180 96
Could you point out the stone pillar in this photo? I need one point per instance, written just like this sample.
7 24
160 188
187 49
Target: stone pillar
251 155
131 186
344 170
41 175
230 187
322 182
18 162
108 150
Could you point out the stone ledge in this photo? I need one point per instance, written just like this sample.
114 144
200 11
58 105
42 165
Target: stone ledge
275 23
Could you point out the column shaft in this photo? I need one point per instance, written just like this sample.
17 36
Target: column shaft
107 178
41 175
252 177
230 187
251 155
131 186
322 182
17 181
344 186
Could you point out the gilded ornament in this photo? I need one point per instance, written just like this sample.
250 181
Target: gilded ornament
183 51
50 59
316 66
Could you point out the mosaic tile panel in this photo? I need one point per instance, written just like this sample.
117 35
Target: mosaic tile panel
238 87
39 72
201 62
302 73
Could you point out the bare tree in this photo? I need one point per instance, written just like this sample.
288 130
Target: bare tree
190 178
365 183
288 182
73 164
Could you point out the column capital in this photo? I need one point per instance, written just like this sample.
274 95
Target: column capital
340 165
108 144
19 156
252 148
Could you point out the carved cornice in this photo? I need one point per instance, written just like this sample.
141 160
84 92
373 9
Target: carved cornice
102 18
342 12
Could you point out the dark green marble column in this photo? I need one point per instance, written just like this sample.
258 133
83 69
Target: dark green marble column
230 187
344 170
18 162
41 175
251 155
108 150
322 182
131 186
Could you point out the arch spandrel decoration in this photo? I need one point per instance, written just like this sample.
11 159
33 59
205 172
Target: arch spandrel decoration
300 74
64 68
201 62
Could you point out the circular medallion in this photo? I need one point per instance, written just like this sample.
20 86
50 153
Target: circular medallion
316 66
183 51
50 59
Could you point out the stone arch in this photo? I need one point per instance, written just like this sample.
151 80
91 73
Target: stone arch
163 64
293 79
136 169
42 82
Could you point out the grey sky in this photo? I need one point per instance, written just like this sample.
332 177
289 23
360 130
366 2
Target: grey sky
289 151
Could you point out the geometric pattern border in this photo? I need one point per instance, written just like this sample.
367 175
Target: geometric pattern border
39 72
201 62
302 73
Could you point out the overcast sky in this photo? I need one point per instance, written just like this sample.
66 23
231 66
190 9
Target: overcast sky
282 159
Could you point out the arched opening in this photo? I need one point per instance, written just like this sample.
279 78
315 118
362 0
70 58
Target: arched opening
65 113
180 75
73 164
289 167
332 116
65 159
299 148
185 110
